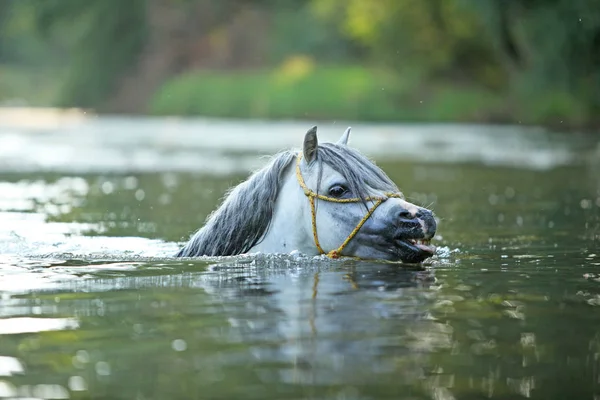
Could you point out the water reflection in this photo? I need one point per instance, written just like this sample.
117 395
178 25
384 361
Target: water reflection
304 328
263 323
92 305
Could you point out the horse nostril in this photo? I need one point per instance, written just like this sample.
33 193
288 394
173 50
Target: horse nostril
405 214
427 217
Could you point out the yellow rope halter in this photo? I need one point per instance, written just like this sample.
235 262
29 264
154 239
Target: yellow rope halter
311 198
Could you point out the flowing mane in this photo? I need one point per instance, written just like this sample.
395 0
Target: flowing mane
245 215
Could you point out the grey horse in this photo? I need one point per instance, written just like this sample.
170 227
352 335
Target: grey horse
327 199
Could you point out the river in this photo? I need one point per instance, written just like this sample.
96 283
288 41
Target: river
93 306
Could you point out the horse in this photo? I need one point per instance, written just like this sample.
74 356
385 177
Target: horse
327 199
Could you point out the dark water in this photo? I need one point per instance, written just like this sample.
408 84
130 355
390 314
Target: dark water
91 305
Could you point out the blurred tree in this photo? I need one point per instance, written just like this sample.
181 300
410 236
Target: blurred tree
115 53
102 37
551 45
436 36
18 44
527 46
120 51
296 30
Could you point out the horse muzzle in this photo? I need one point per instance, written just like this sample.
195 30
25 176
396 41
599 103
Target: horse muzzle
414 229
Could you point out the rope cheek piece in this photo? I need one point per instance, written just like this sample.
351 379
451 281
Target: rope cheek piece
312 196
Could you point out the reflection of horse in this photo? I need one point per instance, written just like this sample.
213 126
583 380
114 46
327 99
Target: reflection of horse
332 200
313 323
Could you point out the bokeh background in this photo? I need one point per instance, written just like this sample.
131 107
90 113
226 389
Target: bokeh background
512 61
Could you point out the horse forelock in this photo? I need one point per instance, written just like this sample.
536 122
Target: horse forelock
361 174
245 215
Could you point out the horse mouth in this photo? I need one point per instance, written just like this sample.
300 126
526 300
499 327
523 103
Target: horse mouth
423 244
415 250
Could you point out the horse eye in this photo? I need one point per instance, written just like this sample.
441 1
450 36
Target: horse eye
337 190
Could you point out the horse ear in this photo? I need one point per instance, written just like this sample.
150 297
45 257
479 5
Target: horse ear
310 145
344 139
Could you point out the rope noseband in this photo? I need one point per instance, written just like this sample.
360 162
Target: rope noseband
312 196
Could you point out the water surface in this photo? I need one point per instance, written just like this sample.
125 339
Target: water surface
93 306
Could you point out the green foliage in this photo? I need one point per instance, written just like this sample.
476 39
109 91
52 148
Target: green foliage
554 107
18 45
516 60
323 93
31 86
299 31
552 45
354 93
435 34
103 39
521 48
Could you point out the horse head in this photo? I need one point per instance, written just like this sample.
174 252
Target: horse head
327 199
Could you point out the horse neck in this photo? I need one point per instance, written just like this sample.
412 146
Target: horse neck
290 225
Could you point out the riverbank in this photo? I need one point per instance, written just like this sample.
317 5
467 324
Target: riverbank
300 91
356 93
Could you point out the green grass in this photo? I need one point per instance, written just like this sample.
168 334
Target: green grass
301 90
354 93
324 93
26 85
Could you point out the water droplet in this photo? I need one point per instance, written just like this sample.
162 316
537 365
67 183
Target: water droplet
138 328
50 392
10 366
140 194
164 198
82 356
594 301
528 339
102 368
7 389
179 345
509 192
520 220
107 187
77 383
130 182
585 204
